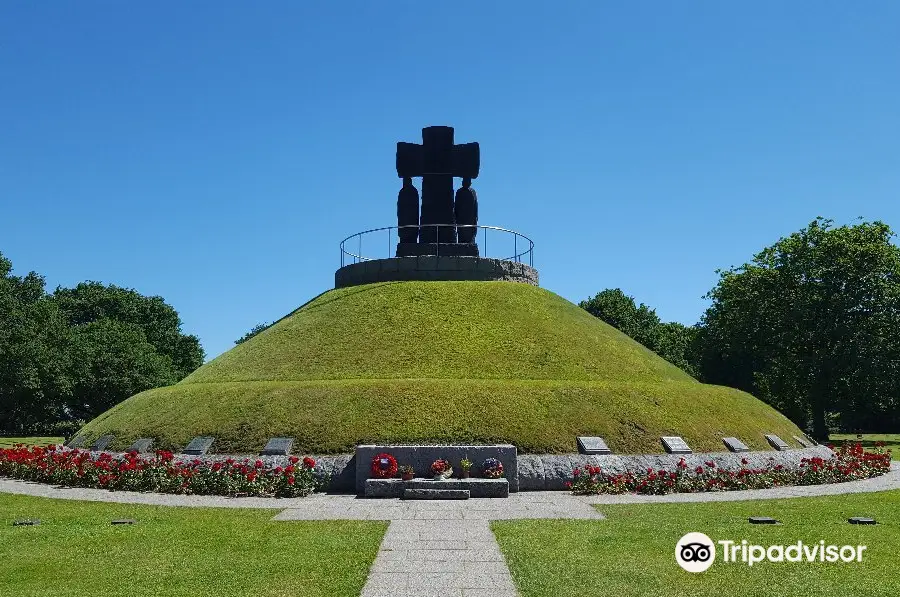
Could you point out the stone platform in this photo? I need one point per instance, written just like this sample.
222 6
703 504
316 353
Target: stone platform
434 268
476 488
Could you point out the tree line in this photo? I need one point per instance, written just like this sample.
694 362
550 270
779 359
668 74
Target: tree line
69 355
810 325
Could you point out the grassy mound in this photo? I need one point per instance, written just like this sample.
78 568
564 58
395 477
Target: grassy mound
440 362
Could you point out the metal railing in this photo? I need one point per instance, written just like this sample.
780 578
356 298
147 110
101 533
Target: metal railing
522 246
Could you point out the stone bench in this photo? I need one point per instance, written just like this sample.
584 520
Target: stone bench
477 488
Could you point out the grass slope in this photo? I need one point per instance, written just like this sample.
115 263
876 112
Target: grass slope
440 362
632 553
178 552
459 330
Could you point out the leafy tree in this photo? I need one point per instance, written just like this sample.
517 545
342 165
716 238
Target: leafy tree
620 311
34 359
122 343
161 326
811 325
254 331
672 341
79 351
112 360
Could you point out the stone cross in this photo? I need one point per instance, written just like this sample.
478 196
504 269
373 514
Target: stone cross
437 160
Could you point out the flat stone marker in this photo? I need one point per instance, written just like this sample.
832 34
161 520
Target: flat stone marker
777 443
141 446
735 445
278 446
762 520
593 445
101 443
26 523
802 441
436 494
675 445
124 521
199 446
76 442
861 520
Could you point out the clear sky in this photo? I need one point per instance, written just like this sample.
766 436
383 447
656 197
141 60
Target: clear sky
215 153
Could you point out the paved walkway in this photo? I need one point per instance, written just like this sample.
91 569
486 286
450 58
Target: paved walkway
442 548
439 558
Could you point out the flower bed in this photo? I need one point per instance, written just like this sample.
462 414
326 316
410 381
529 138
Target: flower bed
849 463
161 473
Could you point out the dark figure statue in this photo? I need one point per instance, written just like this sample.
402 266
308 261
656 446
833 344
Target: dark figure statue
466 212
408 212
437 160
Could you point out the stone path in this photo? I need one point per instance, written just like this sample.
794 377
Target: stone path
457 558
442 548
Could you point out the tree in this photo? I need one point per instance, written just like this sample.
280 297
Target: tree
672 341
620 311
253 331
811 326
34 358
161 326
112 360
122 343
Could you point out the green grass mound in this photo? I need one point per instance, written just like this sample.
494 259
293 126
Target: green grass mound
445 362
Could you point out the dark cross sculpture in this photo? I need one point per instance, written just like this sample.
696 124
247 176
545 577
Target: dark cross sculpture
437 160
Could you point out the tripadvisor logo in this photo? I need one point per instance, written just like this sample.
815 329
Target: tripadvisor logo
696 552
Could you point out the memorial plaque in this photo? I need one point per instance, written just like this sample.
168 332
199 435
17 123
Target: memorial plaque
199 446
762 520
593 445
861 520
675 445
278 446
124 521
141 446
76 442
777 443
101 443
735 445
26 523
802 442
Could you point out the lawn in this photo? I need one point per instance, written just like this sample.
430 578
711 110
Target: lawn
177 552
8 442
633 551
891 441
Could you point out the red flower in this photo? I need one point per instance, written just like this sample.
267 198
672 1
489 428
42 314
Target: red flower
309 462
295 459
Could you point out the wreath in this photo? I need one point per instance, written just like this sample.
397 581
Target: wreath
384 466
492 468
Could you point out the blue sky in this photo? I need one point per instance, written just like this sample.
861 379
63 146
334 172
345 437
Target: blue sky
216 153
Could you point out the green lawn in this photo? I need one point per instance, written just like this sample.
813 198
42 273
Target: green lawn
8 442
177 552
633 551
891 440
